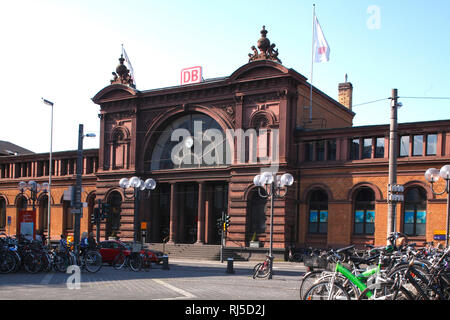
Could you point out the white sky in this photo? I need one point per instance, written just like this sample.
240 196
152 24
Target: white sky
65 52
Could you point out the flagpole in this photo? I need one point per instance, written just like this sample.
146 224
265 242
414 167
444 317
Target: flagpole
312 64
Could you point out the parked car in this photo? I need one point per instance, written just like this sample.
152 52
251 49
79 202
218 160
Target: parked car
110 248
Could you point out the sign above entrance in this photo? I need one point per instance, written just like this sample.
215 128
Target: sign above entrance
191 75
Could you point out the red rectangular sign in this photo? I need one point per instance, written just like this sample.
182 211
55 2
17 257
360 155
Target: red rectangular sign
191 75
27 223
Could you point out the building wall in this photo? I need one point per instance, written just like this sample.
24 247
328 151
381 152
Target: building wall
64 176
342 177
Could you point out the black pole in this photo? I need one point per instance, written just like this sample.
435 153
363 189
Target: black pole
136 214
222 233
98 219
78 205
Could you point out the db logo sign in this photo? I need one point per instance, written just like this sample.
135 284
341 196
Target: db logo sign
191 75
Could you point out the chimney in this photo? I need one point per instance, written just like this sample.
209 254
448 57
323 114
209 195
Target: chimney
346 93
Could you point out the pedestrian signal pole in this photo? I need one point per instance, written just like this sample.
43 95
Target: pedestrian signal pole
222 233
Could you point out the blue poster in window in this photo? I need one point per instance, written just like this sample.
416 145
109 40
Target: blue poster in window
370 216
409 216
323 216
421 217
313 216
359 216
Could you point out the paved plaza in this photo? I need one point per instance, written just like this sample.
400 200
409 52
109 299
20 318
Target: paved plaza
185 280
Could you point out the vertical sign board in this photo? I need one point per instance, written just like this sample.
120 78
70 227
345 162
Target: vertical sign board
191 75
27 223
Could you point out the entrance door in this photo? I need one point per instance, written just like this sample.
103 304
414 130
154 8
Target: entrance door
187 212
219 204
160 214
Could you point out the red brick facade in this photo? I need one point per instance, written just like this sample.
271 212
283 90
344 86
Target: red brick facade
319 151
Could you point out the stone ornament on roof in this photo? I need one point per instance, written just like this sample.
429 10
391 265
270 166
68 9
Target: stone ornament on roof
267 51
122 74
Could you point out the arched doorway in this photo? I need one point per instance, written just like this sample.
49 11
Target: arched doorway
256 216
113 220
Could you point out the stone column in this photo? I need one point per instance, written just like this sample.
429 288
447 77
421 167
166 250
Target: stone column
201 213
173 225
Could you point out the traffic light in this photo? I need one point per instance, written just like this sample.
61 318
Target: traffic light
95 216
220 225
105 210
227 222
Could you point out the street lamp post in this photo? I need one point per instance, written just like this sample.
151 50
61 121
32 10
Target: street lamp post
49 103
77 211
274 187
138 185
34 189
432 175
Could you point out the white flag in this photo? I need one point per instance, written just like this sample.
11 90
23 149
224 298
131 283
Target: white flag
321 48
127 60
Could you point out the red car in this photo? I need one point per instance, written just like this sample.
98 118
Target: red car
110 248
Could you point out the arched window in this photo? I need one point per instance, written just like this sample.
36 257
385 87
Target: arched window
2 213
191 141
415 211
364 213
22 203
120 147
43 212
318 212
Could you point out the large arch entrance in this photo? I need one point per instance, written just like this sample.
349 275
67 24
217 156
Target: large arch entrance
186 207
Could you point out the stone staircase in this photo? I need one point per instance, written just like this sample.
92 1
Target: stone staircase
207 252
187 251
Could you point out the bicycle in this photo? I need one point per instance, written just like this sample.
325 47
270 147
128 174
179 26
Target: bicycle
434 285
345 284
125 258
91 260
263 269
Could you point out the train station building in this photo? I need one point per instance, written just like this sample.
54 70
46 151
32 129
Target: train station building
203 143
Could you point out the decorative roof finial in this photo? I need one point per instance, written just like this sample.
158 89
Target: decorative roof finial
267 50
122 74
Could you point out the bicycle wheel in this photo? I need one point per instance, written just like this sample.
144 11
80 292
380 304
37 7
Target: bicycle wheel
7 262
386 291
322 291
60 262
262 270
32 263
119 261
308 280
420 275
135 262
93 261
255 268
46 262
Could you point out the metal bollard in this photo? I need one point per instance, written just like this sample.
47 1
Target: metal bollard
230 265
165 260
